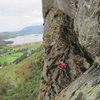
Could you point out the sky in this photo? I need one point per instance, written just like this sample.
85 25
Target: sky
17 14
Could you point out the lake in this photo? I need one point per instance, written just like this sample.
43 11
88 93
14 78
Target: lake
26 39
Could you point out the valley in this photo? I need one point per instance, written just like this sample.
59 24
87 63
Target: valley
20 69
13 54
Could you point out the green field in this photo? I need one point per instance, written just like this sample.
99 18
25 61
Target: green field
21 81
10 54
10 58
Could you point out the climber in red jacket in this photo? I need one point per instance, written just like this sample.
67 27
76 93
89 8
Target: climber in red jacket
63 68
62 65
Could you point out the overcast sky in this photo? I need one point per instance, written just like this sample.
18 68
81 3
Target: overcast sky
17 14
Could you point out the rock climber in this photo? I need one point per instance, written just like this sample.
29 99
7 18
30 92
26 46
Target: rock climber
62 65
63 68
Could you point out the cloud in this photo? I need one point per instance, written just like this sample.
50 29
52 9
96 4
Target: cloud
16 14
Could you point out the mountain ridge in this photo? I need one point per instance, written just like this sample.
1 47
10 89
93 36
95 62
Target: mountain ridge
28 30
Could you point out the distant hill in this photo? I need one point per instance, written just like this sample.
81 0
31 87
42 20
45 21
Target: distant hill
3 36
29 30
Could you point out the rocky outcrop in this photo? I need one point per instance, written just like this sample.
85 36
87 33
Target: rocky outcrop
87 23
71 34
86 15
86 87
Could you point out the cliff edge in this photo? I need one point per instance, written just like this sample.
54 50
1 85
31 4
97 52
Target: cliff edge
71 35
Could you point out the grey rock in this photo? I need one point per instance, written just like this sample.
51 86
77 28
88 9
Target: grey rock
71 33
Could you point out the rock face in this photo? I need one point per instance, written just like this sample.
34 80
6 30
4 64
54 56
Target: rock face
71 34
87 23
86 87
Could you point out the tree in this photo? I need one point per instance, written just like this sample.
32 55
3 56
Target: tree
0 64
5 63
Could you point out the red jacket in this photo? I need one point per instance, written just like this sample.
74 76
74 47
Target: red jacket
62 66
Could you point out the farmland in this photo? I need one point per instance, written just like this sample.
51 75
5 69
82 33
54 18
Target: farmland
20 81
9 54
